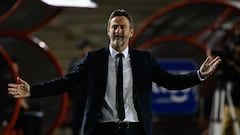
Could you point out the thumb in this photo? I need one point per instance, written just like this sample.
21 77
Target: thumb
20 81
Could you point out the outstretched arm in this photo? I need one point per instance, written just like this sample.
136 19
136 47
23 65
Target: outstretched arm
21 89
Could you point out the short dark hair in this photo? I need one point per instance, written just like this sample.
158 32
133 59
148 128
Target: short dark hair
121 12
83 43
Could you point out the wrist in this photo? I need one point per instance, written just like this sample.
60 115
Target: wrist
200 76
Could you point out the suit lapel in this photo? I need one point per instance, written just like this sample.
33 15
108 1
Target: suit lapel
104 66
133 61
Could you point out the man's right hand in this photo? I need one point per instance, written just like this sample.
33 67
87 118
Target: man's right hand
21 89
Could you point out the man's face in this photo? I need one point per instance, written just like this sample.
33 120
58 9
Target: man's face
119 32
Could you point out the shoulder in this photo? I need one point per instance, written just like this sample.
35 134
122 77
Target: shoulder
139 53
100 51
98 54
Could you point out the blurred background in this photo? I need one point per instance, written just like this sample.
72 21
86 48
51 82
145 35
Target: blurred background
42 37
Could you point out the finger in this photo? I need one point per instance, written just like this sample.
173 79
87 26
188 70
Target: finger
12 85
17 96
20 80
215 61
13 92
207 60
12 89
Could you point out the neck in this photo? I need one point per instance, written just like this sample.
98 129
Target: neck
119 49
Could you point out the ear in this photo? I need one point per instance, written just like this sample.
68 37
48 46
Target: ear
108 31
131 32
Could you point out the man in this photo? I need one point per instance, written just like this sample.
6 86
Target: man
226 43
83 47
77 98
231 70
103 112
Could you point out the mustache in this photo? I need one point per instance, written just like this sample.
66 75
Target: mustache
118 36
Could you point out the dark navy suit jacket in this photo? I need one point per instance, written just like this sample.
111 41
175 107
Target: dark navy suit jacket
93 70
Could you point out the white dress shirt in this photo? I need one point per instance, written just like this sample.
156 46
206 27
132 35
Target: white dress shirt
109 110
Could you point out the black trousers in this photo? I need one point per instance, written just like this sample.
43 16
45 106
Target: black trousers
30 125
125 128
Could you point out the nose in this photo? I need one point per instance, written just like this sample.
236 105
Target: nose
118 30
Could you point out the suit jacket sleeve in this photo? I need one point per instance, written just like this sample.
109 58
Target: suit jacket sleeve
61 84
173 81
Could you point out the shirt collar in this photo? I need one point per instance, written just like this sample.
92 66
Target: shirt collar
113 52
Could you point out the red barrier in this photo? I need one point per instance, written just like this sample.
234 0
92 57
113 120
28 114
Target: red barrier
35 52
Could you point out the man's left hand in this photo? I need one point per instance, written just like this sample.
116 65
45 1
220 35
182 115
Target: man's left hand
209 66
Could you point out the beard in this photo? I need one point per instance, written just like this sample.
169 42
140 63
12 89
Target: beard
118 43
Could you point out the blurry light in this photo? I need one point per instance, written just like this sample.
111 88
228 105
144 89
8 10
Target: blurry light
71 3
234 3
42 44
